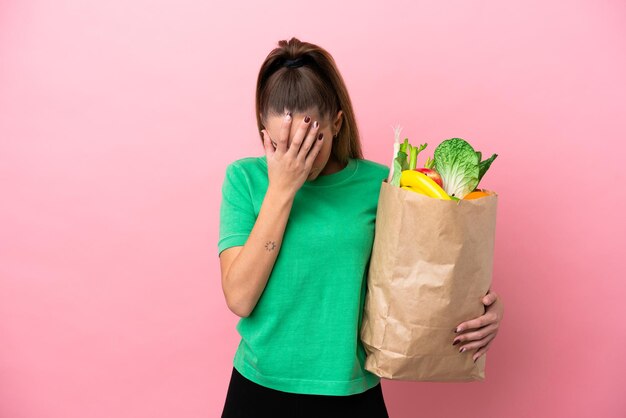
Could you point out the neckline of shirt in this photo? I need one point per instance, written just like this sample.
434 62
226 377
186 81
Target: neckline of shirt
328 179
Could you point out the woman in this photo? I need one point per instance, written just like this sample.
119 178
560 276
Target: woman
296 234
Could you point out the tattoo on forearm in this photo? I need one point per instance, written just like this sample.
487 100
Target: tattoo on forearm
270 245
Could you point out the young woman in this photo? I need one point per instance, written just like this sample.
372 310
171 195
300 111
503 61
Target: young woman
296 234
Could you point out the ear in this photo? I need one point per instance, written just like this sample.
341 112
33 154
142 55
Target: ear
337 122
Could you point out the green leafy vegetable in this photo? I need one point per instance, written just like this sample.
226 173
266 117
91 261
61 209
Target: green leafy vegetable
458 164
412 158
413 155
483 166
404 146
399 163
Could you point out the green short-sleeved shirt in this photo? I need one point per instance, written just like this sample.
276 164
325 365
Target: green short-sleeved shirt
303 334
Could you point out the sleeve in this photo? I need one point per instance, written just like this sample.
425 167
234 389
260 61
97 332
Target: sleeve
237 215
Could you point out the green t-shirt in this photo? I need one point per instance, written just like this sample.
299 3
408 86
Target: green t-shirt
303 334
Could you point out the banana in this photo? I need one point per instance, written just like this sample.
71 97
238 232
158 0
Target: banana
423 183
413 190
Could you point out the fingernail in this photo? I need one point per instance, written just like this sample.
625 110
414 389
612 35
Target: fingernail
456 342
288 117
457 329
320 136
307 119
461 350
475 359
315 124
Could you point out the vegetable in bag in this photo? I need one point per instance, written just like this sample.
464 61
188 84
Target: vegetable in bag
460 166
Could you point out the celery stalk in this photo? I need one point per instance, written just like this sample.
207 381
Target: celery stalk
404 145
413 159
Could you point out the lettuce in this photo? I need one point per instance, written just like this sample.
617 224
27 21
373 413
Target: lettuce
458 164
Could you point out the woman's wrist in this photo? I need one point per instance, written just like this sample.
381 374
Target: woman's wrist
279 196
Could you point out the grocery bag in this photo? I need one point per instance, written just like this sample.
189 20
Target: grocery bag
430 266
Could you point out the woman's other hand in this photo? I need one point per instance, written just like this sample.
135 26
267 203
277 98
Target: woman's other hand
478 333
289 162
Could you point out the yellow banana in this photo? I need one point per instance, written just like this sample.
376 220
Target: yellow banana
423 183
413 190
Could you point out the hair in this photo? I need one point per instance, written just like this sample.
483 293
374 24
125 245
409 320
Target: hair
316 84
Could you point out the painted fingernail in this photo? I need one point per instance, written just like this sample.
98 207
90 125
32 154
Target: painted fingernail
307 119
457 329
315 124
320 136
456 342
461 350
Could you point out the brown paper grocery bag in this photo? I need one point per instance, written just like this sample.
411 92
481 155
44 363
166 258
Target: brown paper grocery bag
431 264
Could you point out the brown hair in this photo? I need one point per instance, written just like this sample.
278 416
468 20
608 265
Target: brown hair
316 84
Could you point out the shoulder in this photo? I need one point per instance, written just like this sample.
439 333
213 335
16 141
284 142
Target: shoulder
246 171
247 166
248 163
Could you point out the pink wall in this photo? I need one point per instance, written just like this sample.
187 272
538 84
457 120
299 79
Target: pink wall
117 119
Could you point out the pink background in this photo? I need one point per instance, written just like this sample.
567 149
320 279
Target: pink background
117 119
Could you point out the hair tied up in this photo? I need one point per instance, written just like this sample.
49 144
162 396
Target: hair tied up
318 86
294 63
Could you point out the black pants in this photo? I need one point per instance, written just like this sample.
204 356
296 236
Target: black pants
247 399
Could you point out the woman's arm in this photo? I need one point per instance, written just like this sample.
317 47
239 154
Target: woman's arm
245 269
